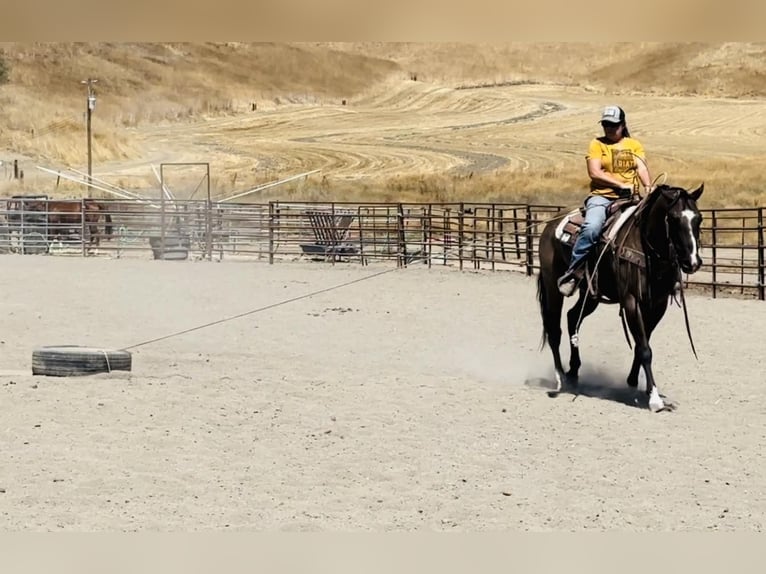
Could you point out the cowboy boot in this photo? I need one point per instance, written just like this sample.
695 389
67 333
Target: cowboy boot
569 281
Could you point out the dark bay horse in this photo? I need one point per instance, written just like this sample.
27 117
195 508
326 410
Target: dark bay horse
638 268
66 218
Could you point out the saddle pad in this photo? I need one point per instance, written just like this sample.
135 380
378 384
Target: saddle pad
620 222
562 224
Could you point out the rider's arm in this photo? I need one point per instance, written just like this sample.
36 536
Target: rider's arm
600 176
643 175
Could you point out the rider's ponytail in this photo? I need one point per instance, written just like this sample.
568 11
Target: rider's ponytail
625 132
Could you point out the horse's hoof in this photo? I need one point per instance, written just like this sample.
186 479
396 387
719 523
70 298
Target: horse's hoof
559 384
656 404
659 406
553 394
664 409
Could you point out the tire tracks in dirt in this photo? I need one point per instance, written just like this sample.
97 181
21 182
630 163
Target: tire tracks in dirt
415 129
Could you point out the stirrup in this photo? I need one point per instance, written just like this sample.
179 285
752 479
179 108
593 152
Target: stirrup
568 282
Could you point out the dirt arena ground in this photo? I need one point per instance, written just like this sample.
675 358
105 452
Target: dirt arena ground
408 401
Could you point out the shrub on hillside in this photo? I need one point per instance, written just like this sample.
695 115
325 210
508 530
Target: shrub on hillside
4 70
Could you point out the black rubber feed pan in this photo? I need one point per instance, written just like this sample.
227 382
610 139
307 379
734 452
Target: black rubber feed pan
73 360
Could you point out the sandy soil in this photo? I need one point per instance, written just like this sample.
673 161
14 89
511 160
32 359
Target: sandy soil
408 401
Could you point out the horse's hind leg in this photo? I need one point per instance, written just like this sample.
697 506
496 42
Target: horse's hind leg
585 306
553 303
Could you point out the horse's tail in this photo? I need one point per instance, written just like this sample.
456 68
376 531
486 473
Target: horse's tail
542 299
108 225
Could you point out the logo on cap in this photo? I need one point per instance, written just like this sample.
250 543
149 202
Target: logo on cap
611 114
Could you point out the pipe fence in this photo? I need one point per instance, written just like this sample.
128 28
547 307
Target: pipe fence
490 236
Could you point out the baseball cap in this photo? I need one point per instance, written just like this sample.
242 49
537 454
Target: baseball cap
612 114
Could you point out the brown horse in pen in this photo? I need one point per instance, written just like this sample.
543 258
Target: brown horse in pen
65 218
637 265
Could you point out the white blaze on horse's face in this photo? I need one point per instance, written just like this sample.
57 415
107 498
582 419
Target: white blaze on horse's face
690 222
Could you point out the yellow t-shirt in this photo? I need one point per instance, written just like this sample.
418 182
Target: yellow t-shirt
619 159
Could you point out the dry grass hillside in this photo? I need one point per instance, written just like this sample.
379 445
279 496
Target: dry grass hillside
382 121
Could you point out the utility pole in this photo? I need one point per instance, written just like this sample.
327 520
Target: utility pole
91 104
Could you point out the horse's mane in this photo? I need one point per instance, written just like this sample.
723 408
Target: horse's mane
634 238
646 203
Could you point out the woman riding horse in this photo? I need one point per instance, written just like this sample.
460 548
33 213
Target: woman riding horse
638 269
615 161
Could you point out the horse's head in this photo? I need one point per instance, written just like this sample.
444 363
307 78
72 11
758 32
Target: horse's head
683 224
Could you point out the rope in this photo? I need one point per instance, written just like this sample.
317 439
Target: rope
575 338
267 307
663 175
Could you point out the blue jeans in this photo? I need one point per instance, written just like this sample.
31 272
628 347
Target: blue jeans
595 217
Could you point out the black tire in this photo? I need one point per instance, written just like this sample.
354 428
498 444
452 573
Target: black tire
69 360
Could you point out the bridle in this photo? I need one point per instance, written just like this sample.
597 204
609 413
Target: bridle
672 249
672 256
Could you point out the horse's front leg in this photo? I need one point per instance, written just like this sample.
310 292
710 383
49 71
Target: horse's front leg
634 369
642 358
656 403
585 306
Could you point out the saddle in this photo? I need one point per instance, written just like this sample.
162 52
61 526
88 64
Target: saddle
617 214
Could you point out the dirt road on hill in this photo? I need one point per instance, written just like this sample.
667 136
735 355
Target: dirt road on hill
413 129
